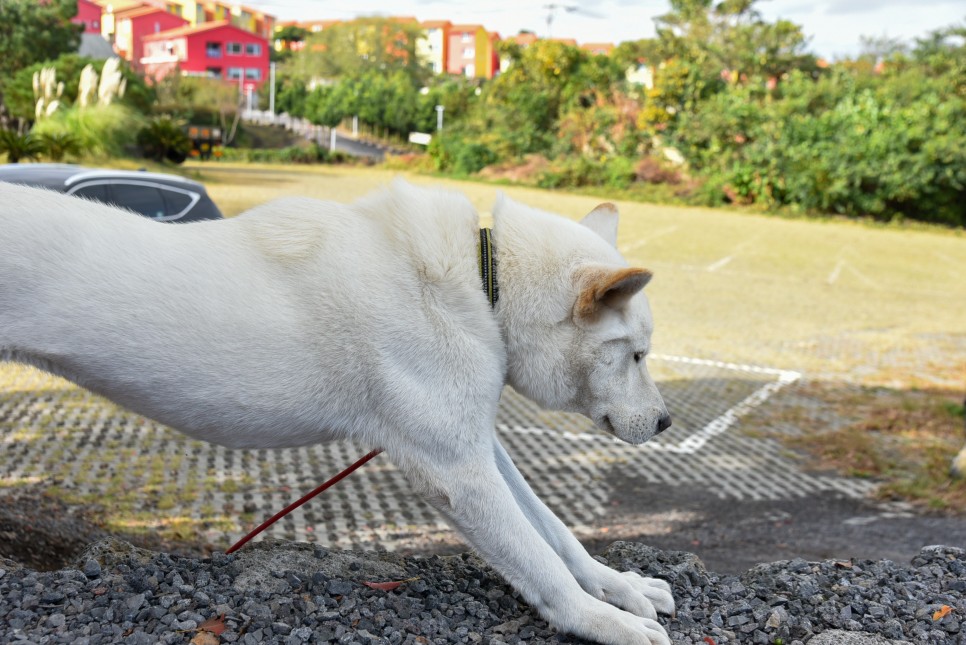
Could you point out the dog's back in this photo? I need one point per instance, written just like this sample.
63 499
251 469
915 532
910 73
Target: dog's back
324 298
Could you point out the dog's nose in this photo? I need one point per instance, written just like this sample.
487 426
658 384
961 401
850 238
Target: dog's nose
663 423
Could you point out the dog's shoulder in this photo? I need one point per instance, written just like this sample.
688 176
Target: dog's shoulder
436 229
289 229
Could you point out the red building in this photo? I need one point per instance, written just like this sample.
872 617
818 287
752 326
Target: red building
132 26
214 50
89 15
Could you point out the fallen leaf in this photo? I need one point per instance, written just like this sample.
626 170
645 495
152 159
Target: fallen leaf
214 625
942 612
205 638
709 640
844 565
388 586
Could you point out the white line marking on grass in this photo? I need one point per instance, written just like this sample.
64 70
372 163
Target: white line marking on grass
864 278
713 428
720 263
836 272
627 248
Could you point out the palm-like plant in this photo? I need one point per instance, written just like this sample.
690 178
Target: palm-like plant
164 138
20 146
58 145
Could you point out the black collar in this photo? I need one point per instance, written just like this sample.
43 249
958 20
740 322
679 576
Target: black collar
488 267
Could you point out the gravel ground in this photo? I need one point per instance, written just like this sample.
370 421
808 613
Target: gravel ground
283 592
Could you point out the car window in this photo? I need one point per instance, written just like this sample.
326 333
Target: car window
142 199
176 201
97 192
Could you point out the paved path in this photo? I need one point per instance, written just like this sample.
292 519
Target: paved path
57 436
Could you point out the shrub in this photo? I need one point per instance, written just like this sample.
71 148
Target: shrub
57 145
102 131
835 146
20 146
580 171
164 138
302 154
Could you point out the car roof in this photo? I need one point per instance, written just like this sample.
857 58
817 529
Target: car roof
61 176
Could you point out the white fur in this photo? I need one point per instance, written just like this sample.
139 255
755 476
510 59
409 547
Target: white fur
303 321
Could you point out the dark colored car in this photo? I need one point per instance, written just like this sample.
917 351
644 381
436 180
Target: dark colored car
165 198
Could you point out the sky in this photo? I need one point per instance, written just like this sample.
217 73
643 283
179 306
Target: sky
834 27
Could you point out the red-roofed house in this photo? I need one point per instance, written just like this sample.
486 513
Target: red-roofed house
133 25
213 49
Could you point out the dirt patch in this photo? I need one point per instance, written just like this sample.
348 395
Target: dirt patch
516 172
906 439
46 534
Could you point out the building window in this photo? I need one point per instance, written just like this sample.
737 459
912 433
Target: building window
467 37
469 52
233 49
253 49
234 73
213 72
213 50
253 74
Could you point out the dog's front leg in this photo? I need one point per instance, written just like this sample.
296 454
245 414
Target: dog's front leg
469 489
642 596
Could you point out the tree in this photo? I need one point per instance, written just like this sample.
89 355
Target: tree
201 100
352 48
33 32
731 36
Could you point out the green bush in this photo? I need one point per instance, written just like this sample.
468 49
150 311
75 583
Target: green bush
102 130
581 171
302 154
20 147
57 145
164 138
835 146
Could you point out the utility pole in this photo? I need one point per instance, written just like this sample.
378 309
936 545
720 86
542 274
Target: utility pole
439 117
271 91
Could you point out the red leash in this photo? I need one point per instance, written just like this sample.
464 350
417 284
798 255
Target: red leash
294 505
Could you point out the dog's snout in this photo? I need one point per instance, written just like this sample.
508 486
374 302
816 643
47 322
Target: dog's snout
663 423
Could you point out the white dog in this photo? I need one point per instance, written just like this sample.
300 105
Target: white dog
303 321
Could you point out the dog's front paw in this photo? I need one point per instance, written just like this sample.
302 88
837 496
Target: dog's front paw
657 591
607 624
645 597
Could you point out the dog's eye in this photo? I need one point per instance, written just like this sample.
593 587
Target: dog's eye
638 357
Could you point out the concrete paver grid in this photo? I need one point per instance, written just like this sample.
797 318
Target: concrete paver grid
57 435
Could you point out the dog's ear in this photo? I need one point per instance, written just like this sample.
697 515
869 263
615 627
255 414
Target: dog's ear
602 287
603 221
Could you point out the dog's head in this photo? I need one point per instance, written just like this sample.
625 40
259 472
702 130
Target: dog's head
578 325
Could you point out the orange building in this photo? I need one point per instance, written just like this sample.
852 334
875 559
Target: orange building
600 49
